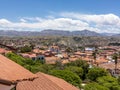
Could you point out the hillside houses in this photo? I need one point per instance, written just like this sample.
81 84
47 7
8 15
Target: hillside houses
53 53
111 68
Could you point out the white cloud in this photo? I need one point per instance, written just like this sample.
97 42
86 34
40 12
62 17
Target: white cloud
106 19
59 23
66 21
103 22
4 21
23 20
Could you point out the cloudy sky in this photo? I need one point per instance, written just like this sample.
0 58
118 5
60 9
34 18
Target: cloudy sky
36 15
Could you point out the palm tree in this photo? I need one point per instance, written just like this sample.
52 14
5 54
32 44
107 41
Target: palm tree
94 54
115 57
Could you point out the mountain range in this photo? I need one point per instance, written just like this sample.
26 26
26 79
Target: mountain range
50 32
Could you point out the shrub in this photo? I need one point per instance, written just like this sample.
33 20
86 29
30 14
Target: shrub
67 76
77 70
94 86
96 72
109 82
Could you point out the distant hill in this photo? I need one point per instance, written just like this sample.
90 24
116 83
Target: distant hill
18 33
49 32
86 33
116 35
108 34
56 32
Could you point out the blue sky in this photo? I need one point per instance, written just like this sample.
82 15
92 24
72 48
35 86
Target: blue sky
60 14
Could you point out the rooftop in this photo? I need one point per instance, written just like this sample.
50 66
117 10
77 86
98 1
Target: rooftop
11 72
45 82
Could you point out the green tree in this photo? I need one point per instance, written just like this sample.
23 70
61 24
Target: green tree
77 70
45 68
67 76
26 49
119 80
16 58
94 86
115 57
68 50
33 66
58 65
94 54
109 82
96 72
80 63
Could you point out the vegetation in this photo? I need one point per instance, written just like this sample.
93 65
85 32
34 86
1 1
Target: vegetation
96 72
115 57
80 63
26 49
77 70
95 86
94 54
29 64
73 72
119 80
109 82
67 76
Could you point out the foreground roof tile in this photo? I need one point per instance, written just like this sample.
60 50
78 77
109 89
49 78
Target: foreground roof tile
11 72
45 82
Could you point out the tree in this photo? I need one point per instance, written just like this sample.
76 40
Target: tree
94 86
96 72
59 65
94 54
119 80
33 66
69 50
45 68
26 49
67 76
77 70
115 57
32 45
109 82
80 63
16 58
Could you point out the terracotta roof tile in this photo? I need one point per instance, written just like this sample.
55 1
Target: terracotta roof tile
101 60
2 50
51 60
12 72
109 65
6 87
45 82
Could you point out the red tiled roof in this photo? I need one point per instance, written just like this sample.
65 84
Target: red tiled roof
6 87
2 50
12 72
101 60
73 58
28 55
79 53
109 65
86 59
51 60
45 82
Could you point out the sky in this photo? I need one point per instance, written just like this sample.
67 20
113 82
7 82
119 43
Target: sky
36 15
